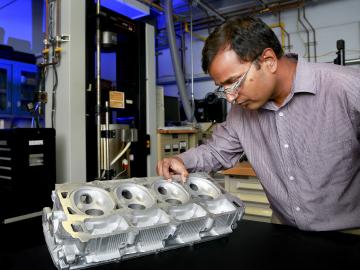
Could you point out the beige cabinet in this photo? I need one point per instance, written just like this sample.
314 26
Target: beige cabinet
243 183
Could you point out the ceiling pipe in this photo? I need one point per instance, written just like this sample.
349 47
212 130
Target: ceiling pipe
282 27
180 80
307 35
203 23
210 9
314 34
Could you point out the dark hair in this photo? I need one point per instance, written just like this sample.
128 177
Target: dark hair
247 36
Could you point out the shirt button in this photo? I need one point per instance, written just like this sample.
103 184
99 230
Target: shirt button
286 145
281 114
292 178
297 208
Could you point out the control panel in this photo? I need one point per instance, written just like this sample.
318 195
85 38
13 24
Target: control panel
175 141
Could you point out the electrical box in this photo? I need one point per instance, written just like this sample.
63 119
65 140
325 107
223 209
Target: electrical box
173 141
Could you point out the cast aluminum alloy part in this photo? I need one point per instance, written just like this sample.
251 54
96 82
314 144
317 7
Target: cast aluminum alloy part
108 221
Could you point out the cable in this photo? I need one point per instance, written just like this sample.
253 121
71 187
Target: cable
117 158
55 85
120 154
120 173
37 114
51 22
53 10
7 4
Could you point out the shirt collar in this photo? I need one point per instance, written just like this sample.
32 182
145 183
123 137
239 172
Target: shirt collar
304 82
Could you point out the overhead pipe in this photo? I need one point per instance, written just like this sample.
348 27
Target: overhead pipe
175 60
203 23
352 62
210 9
58 31
282 27
265 7
58 17
313 31
157 7
45 51
199 37
182 50
46 20
307 35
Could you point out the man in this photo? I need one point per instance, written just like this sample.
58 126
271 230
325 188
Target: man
297 122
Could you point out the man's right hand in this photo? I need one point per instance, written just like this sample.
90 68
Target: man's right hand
167 167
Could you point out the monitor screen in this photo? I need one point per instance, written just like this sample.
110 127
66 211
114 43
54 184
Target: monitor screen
172 109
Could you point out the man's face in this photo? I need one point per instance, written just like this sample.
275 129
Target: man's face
256 87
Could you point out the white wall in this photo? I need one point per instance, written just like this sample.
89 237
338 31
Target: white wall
332 20
70 107
151 117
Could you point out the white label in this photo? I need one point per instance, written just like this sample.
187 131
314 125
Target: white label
36 160
129 101
3 142
36 142
183 144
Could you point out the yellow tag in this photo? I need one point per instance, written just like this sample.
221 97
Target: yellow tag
117 99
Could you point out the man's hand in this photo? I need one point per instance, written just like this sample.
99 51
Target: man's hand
167 167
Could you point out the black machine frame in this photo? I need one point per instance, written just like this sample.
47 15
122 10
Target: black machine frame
130 79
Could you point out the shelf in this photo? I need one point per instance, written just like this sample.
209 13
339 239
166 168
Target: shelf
256 198
255 211
250 186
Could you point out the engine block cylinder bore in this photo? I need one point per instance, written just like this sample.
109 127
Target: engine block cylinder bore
170 192
203 188
92 201
134 196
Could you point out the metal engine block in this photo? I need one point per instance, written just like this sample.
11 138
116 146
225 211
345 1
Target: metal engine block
105 221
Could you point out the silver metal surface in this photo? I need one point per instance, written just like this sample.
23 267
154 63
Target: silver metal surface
98 86
109 221
203 188
91 201
134 196
107 150
116 145
109 39
170 192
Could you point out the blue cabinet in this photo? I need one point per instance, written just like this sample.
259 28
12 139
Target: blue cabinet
5 88
24 87
18 84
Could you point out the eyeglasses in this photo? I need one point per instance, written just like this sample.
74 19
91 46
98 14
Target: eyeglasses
221 91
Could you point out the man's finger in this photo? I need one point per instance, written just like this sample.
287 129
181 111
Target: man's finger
184 176
166 168
159 168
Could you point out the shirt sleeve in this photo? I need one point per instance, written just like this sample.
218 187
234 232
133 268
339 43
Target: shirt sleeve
223 150
350 84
